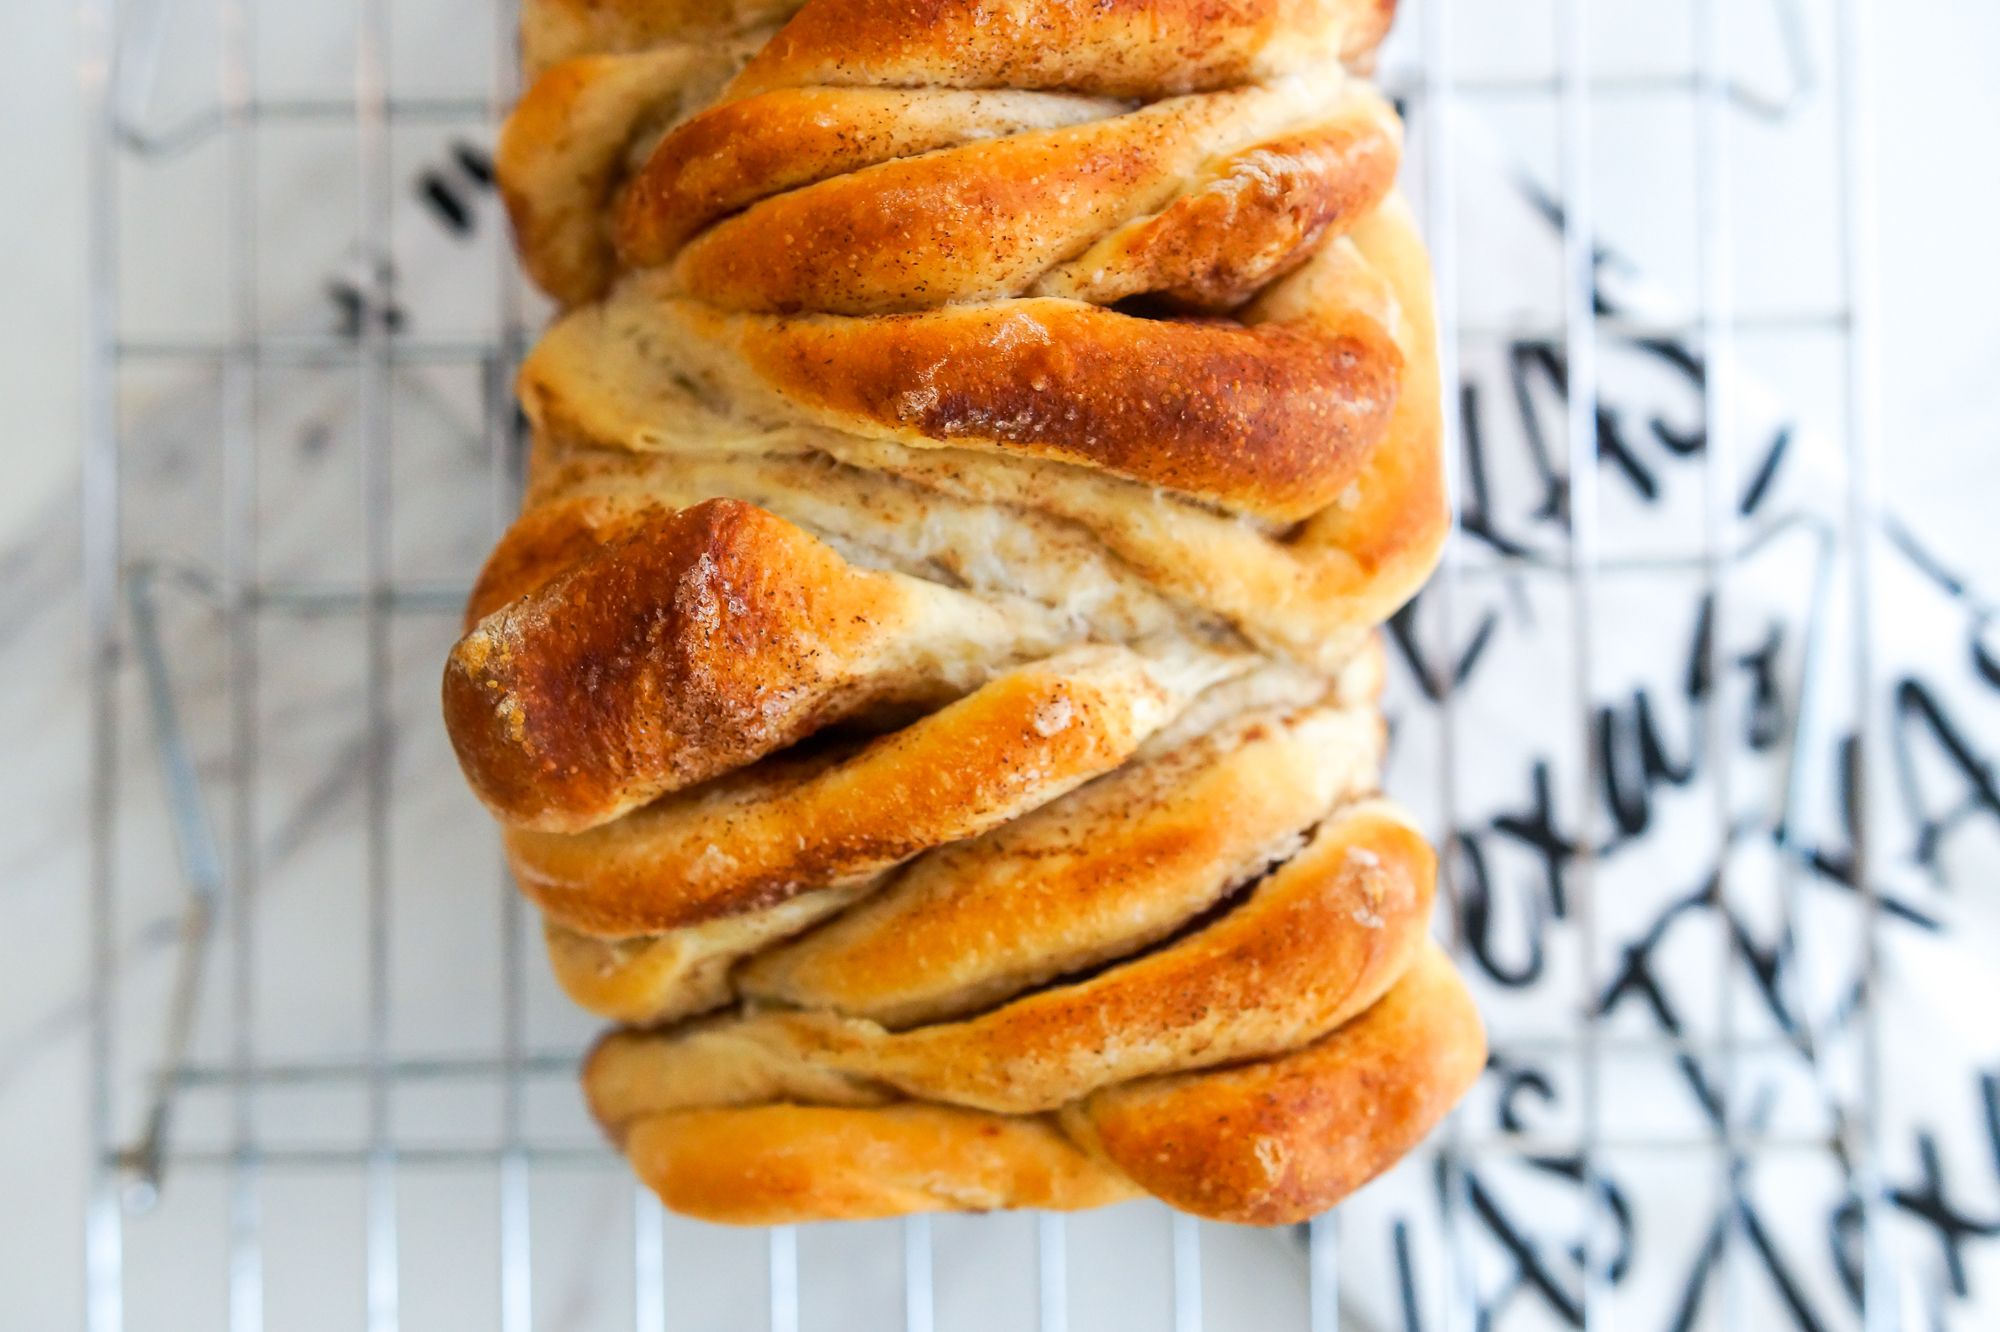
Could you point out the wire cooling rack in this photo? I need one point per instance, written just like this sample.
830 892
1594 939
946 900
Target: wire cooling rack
331 1084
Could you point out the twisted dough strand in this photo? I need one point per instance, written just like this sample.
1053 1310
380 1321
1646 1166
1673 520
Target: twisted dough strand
930 688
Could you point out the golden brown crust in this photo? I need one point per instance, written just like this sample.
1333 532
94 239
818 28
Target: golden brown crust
1256 217
1268 1142
973 221
1114 48
1082 881
989 764
711 1063
649 979
1089 877
761 836
1274 419
864 202
696 642
1391 529
562 151
549 540
778 1164
557 30
1315 943
738 153
1286 1138
1306 595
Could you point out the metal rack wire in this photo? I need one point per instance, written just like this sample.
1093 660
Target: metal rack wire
149 1064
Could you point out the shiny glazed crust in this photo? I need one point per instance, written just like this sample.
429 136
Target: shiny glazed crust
930 690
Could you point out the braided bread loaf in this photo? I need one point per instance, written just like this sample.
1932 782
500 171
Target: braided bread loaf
930 690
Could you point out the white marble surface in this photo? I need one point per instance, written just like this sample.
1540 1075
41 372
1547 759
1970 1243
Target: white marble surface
1942 339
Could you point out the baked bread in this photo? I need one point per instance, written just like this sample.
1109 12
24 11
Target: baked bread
930 691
